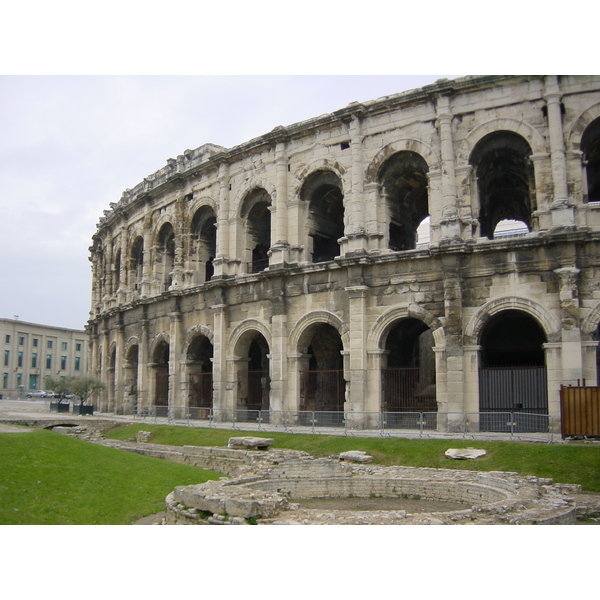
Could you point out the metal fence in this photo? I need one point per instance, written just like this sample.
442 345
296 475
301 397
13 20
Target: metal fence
515 425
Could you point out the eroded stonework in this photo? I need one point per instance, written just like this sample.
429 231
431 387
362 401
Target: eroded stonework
271 494
433 253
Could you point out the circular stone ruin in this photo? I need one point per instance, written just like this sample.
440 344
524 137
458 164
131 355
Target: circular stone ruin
280 487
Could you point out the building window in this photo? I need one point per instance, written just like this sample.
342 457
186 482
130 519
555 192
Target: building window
20 359
63 363
21 340
33 382
50 343
19 380
77 362
48 361
34 360
35 342
7 339
64 345
77 347
6 357
5 381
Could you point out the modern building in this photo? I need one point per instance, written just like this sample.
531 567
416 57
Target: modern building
434 252
32 352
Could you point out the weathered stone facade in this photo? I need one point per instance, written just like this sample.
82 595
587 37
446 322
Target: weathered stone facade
287 273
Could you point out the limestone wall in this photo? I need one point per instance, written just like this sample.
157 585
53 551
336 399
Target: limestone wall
179 259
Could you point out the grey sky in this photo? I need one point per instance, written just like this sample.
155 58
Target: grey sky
70 145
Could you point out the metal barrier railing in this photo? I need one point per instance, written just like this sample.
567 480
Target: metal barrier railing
517 425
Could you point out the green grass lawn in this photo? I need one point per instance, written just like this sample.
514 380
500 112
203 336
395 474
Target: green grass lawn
47 478
564 463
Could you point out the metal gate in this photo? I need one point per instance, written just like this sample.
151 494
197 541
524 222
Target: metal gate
161 394
408 389
513 391
322 391
259 385
201 385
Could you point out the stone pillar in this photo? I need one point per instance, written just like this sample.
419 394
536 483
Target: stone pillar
554 368
221 260
278 362
144 367
122 286
178 260
219 361
562 215
450 223
373 213
373 402
104 373
119 370
572 358
589 351
175 363
355 240
280 248
453 311
470 405
357 376
145 284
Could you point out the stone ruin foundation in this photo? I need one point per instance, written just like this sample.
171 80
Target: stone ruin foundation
274 488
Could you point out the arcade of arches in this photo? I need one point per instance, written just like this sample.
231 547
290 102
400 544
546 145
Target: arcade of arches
431 252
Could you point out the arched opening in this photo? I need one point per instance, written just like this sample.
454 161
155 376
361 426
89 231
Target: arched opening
204 243
512 373
505 180
403 178
131 378
254 382
199 364
590 146
510 228
161 375
165 256
256 211
408 378
136 267
322 384
323 192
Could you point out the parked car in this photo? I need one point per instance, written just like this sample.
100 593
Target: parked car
40 394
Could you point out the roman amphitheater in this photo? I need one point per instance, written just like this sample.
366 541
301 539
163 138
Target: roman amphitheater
430 258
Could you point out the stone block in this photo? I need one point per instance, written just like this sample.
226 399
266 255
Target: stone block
250 443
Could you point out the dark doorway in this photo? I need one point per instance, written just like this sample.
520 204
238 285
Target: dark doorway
409 378
512 374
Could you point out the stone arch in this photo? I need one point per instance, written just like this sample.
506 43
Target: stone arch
201 228
306 171
592 321
386 321
532 136
158 338
305 323
579 125
247 189
418 147
241 331
549 324
195 331
134 340
195 205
